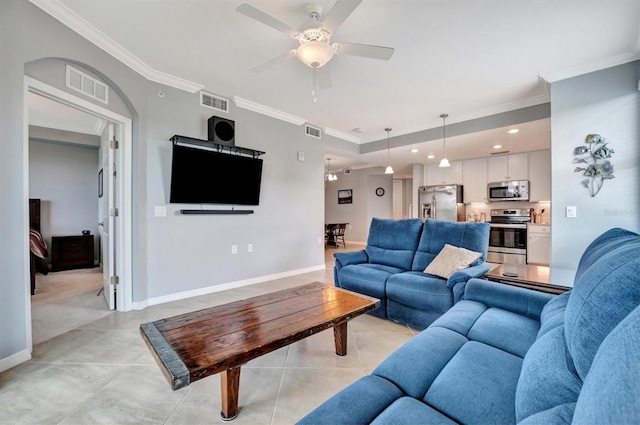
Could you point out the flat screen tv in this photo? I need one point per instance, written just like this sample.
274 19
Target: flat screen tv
201 176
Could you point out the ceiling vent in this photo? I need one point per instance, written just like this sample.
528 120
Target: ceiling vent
214 102
312 131
347 171
87 85
499 153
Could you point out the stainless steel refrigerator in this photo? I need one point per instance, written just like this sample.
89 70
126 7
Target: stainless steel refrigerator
442 202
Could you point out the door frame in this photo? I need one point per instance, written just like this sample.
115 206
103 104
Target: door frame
124 295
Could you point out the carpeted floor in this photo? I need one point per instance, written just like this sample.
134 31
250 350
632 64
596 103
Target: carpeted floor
66 300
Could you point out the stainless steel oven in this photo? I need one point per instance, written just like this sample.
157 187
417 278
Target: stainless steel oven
508 236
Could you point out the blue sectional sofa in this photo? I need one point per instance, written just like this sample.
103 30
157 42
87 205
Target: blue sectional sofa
391 267
507 355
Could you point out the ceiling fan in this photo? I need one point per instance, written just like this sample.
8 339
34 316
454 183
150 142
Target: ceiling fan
315 48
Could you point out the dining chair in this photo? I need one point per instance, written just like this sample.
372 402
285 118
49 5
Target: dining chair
338 234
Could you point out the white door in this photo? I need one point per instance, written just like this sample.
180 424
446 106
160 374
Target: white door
109 176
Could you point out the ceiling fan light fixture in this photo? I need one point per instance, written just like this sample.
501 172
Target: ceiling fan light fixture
315 54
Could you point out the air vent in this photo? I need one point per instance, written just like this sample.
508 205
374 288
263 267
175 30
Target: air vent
214 102
347 171
312 131
87 85
499 153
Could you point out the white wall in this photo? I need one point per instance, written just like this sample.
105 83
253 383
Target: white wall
172 254
366 203
65 178
606 102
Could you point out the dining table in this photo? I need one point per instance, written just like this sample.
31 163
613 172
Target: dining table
329 228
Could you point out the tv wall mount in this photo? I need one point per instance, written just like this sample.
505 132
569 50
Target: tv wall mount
220 147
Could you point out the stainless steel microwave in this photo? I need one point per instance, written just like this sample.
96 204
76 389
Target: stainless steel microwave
517 190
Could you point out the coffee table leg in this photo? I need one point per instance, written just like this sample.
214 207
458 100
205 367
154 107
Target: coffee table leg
340 336
230 385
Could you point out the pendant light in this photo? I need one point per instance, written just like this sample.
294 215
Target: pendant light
328 175
389 170
444 162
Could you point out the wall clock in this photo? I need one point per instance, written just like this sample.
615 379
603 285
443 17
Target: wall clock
380 191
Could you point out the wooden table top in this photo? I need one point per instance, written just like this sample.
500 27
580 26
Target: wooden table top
195 345
529 276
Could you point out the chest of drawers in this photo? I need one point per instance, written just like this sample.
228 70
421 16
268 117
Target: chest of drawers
71 252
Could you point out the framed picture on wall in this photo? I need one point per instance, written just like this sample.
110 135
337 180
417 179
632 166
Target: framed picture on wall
100 183
345 196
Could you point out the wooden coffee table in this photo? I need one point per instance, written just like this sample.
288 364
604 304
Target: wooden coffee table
221 339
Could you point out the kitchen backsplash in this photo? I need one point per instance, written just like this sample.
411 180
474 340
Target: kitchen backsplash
474 212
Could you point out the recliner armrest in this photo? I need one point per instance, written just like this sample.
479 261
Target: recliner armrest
526 302
351 257
466 274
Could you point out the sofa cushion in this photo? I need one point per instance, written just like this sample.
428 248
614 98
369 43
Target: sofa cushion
359 403
451 259
505 330
611 391
477 386
419 290
409 411
553 313
393 242
602 296
437 233
558 415
367 279
548 377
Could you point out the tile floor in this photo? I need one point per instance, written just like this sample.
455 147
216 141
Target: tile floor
102 372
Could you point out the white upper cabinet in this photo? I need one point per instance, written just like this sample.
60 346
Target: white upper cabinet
448 175
508 167
474 180
540 176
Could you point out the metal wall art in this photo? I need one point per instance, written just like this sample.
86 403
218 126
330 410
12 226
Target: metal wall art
597 168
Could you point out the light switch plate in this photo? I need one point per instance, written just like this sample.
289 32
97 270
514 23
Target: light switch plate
571 212
160 211
300 156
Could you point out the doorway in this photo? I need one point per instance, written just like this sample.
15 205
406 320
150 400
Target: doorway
116 190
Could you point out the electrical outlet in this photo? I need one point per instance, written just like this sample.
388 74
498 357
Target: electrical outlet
160 211
250 247
571 212
319 240
234 249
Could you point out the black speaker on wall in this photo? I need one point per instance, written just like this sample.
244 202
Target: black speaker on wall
221 130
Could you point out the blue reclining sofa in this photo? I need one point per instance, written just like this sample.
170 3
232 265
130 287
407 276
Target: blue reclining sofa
507 355
391 267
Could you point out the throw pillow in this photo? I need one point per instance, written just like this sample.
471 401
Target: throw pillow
451 259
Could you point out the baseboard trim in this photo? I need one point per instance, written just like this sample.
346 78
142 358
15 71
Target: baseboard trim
139 305
14 360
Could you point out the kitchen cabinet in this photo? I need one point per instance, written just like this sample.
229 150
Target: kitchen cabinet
71 252
540 176
508 167
538 244
448 175
474 180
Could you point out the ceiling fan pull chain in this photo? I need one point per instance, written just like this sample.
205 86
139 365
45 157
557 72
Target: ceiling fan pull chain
315 83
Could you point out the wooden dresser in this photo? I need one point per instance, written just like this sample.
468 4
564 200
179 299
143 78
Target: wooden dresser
71 252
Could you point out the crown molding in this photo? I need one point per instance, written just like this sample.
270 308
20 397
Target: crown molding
340 135
265 110
78 24
589 67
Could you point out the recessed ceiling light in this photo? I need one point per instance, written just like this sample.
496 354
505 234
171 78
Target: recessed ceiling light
414 150
513 131
497 146
430 156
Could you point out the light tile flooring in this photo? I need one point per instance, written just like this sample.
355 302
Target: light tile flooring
102 372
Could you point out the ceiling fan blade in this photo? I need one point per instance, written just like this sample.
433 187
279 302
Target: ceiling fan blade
323 78
339 13
273 61
364 50
260 16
